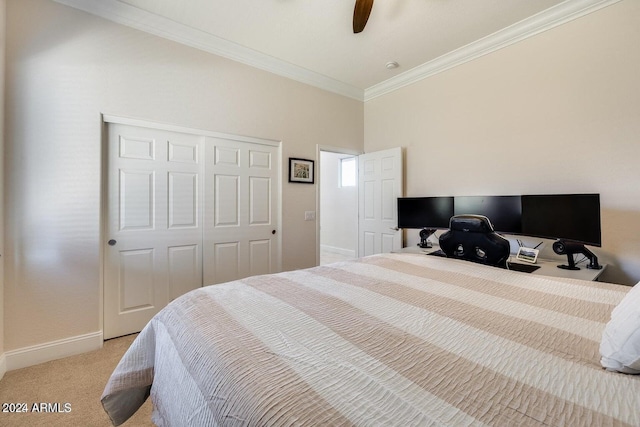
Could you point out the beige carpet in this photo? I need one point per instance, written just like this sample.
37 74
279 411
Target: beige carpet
77 381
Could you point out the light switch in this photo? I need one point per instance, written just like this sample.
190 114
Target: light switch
310 215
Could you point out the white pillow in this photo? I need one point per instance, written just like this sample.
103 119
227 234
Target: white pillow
620 345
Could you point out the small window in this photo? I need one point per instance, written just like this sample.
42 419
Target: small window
348 172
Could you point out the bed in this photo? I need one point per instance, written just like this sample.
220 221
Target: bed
390 340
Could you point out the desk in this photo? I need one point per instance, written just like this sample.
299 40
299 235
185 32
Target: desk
548 267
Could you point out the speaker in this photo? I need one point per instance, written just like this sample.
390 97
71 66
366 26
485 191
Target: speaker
562 247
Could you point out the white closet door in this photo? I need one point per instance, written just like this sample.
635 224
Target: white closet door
154 231
380 183
241 210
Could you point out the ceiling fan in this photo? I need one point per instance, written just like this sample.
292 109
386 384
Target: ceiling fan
361 14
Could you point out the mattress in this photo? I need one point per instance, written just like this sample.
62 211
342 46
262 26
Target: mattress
389 340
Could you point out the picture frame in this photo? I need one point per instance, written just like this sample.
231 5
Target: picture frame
301 170
527 255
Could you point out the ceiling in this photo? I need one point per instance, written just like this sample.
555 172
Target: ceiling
313 42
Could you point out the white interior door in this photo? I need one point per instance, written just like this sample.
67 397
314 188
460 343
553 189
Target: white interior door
380 183
241 210
154 231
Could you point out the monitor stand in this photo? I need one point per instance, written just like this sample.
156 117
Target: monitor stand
581 249
571 263
425 233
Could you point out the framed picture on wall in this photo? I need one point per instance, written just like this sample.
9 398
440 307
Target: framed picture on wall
301 170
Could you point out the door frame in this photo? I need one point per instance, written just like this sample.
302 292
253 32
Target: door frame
329 149
107 119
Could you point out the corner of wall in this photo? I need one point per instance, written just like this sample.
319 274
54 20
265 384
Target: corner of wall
3 365
3 6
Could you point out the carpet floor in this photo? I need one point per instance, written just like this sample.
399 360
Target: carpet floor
74 383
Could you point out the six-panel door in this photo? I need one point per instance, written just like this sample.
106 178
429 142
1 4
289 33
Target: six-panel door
241 210
154 250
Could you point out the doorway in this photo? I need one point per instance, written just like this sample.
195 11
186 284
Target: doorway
338 205
358 217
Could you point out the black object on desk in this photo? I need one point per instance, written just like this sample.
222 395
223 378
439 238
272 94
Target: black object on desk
439 252
523 268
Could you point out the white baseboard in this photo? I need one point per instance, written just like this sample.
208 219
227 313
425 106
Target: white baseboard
3 365
340 251
36 354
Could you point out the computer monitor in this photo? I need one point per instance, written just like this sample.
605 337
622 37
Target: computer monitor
574 217
424 212
504 212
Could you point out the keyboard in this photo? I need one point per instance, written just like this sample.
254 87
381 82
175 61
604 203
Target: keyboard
439 252
523 268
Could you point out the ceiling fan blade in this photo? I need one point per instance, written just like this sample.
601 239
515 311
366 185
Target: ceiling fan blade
361 14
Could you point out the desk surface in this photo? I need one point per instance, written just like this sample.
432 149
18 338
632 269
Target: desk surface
547 267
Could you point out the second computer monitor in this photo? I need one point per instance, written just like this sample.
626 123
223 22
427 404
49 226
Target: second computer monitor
424 212
504 212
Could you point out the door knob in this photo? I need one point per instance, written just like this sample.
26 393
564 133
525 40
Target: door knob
273 231
112 242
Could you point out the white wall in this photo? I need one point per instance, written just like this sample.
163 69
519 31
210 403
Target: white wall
558 112
339 214
2 51
65 68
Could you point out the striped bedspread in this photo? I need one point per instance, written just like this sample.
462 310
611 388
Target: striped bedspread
386 340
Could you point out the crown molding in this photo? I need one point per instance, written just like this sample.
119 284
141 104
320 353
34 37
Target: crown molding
139 19
543 21
122 13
